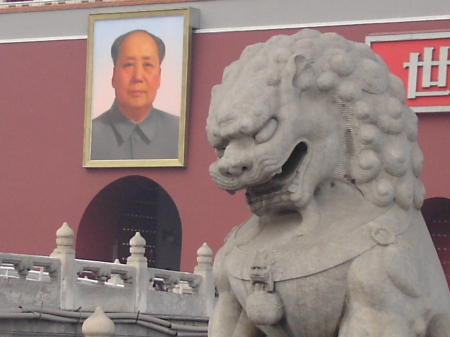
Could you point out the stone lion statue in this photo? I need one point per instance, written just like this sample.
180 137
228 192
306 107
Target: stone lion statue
316 130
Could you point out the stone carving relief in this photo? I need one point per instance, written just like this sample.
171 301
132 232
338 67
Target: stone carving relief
316 130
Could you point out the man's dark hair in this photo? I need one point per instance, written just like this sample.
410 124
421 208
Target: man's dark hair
117 45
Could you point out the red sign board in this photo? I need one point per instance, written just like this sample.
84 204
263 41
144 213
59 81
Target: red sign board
422 61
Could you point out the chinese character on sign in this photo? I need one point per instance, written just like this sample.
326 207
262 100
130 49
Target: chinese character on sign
442 64
422 62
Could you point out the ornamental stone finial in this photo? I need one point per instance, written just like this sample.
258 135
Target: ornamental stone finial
64 236
98 324
204 255
137 244
137 249
64 241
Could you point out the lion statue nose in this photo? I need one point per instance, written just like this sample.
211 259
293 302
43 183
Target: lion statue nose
234 168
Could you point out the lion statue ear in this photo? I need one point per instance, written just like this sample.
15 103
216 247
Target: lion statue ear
291 72
298 74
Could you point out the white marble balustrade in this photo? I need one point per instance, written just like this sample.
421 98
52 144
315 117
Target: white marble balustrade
61 281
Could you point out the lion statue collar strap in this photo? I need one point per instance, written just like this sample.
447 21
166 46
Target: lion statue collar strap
380 231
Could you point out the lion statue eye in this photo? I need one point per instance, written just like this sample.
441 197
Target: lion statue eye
267 131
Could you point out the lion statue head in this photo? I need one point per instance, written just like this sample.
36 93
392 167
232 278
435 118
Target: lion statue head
298 110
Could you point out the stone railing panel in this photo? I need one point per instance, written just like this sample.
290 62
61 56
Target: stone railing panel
29 280
90 295
161 303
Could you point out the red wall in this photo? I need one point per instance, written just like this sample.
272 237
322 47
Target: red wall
43 183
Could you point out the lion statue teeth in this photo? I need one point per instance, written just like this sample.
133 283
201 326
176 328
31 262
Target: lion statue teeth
316 130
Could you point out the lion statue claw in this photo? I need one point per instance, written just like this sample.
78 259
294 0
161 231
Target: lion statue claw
316 130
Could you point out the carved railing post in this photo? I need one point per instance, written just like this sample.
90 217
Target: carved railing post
66 254
204 268
98 324
139 261
115 279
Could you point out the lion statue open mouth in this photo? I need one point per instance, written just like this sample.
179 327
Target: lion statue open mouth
316 130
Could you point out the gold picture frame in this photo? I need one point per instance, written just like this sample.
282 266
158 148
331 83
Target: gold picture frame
114 92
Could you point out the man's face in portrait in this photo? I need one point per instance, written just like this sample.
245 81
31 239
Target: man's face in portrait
137 75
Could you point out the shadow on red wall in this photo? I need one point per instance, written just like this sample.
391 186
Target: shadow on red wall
436 212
